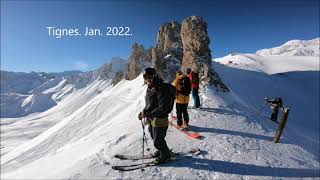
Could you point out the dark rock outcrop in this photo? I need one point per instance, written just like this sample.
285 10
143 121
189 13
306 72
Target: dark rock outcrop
118 77
178 47
167 56
139 59
196 51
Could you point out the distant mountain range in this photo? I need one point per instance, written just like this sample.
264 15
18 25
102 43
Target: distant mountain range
26 93
294 48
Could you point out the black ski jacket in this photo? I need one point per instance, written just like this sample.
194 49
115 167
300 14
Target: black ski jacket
275 103
156 96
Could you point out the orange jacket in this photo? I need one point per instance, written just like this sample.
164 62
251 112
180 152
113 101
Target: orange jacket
180 98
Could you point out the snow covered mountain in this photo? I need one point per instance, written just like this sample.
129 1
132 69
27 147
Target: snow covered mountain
22 83
110 70
294 48
237 140
26 93
270 64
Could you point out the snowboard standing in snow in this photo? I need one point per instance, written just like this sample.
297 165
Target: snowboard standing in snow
134 166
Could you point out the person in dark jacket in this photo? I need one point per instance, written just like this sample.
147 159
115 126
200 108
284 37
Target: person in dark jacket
156 113
194 78
276 104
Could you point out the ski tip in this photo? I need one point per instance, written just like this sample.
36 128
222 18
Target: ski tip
195 150
118 156
116 168
195 135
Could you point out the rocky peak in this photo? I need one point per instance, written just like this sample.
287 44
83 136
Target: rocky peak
139 59
186 44
167 56
169 40
196 51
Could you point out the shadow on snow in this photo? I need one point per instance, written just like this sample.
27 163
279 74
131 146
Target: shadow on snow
244 169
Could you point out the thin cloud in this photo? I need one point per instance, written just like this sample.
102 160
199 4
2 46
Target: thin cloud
81 65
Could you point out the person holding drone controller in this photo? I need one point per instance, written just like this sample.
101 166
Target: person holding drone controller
276 104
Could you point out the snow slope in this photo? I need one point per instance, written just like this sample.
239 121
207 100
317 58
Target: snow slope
294 78
15 131
237 142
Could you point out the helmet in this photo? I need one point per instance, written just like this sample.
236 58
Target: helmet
149 73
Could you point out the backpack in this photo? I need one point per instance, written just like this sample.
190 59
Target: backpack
195 78
185 86
171 90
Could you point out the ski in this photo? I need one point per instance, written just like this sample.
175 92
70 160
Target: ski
132 168
118 167
132 157
174 158
137 157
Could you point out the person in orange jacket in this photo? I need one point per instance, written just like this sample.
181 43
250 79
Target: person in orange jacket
183 89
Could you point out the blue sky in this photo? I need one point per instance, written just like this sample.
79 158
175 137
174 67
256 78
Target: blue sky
233 26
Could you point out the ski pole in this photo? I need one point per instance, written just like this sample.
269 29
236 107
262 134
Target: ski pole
144 135
142 124
144 138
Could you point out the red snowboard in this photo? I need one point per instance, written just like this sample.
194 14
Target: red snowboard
191 134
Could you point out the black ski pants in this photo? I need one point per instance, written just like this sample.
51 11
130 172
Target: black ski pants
274 115
158 135
182 110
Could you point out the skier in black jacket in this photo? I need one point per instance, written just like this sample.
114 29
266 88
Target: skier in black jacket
156 111
276 104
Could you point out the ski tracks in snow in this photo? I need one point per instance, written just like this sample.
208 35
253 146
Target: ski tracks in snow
234 143
75 129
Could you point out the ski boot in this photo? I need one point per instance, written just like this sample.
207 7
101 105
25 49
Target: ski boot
163 158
